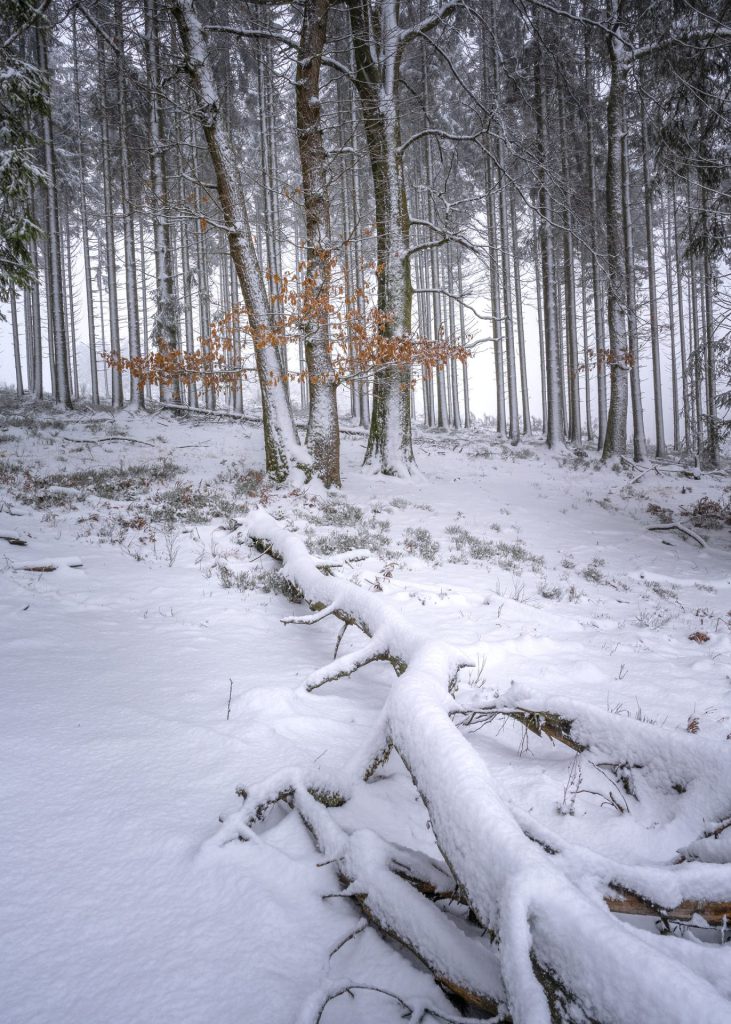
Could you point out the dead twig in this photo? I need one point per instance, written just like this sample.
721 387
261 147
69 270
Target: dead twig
681 529
103 440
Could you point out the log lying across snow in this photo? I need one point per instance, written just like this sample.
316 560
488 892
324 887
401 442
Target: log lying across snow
546 946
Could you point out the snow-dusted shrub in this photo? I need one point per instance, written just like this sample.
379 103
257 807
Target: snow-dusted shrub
593 572
370 533
339 512
709 514
268 581
249 483
121 481
508 556
184 503
419 541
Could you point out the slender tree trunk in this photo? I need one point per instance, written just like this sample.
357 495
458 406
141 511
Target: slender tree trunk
72 351
102 328
527 427
660 445
145 322
281 444
165 329
585 339
696 336
596 280
638 426
16 345
615 442
323 437
109 225
37 343
554 418
572 347
539 315
84 225
136 392
54 275
684 363
667 259
707 299
29 331
389 441
465 373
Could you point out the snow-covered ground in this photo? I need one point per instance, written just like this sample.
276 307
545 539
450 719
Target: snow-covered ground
147 676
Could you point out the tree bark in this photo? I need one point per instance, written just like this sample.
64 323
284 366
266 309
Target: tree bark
323 432
615 441
58 348
282 448
389 441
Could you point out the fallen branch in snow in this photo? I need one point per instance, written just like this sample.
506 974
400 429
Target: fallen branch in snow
315 1006
712 913
538 722
13 538
639 476
545 941
51 566
103 440
682 529
246 418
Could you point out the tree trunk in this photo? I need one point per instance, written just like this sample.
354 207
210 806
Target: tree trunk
16 345
638 426
615 442
136 392
54 271
554 418
323 436
572 347
389 441
84 226
114 346
283 451
165 326
660 445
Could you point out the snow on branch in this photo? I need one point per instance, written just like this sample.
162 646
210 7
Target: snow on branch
546 939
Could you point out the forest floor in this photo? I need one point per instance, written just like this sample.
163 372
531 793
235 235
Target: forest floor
146 675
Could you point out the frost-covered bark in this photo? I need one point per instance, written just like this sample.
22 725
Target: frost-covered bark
572 345
596 281
283 451
84 227
58 346
660 446
377 43
165 324
109 233
16 345
639 442
323 436
136 395
554 403
615 442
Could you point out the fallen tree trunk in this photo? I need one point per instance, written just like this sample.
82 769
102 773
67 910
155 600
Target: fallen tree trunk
556 948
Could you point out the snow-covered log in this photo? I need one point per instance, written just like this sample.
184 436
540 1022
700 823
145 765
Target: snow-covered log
559 950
